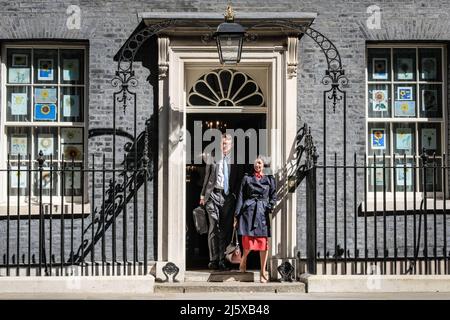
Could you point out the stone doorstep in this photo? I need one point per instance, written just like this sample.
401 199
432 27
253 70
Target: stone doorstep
229 286
221 276
375 283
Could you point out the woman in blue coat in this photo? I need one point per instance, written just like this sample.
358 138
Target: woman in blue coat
256 199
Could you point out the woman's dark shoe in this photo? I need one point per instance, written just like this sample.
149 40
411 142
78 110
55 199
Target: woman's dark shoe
223 266
213 265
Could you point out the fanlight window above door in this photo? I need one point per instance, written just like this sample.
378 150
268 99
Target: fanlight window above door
225 88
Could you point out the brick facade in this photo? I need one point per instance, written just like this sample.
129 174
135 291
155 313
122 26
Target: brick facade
105 25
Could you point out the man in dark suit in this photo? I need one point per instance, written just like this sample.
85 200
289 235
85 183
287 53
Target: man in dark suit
218 195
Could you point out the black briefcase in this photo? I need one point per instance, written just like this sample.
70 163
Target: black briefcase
200 221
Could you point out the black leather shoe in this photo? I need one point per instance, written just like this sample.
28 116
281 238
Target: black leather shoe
223 266
213 265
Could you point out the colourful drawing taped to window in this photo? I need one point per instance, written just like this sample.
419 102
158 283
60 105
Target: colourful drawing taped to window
19 178
405 108
74 152
400 174
71 135
404 93
429 68
19 104
405 69
403 139
429 138
45 112
45 70
380 71
378 139
430 100
71 70
68 182
380 100
19 144
45 143
19 75
44 95
71 105
19 60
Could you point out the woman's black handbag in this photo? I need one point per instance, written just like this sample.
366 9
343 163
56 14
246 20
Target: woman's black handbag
233 252
200 221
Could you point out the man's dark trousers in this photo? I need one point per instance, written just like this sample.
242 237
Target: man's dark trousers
220 214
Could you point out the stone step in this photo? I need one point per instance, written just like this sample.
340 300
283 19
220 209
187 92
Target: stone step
229 286
220 276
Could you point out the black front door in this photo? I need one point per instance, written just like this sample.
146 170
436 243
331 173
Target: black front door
197 256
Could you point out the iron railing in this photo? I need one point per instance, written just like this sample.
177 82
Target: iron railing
387 217
61 217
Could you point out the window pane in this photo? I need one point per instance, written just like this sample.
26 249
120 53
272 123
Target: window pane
404 175
379 64
376 175
19 65
430 138
404 141
379 101
46 140
18 103
49 179
72 179
378 137
430 100
19 142
433 173
45 104
72 151
72 104
405 64
71 135
430 64
72 144
45 66
405 101
72 63
18 179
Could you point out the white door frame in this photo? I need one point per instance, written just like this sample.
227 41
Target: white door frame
281 100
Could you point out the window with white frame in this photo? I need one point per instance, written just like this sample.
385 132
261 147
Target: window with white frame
43 108
406 112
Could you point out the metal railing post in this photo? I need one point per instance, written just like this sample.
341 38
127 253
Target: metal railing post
311 217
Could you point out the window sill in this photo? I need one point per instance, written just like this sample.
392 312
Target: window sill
46 208
400 207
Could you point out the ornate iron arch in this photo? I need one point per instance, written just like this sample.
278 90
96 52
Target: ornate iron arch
335 79
334 75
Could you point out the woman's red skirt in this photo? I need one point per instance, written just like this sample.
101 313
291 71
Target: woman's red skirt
254 243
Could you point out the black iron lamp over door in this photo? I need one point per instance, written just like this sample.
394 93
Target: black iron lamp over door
229 37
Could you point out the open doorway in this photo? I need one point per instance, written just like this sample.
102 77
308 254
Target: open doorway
197 256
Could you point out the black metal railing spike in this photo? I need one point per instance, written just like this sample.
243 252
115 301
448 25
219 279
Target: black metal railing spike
23 258
33 258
